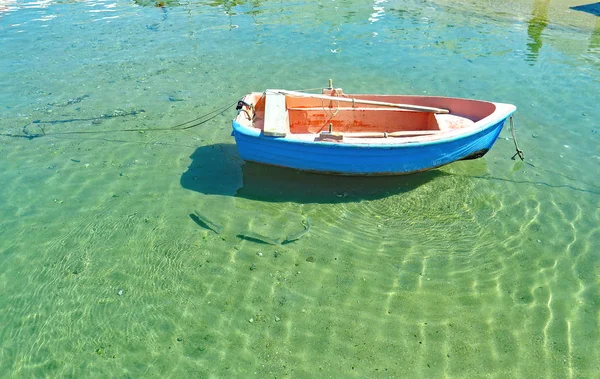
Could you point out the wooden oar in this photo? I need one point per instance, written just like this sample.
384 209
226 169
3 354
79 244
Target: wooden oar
359 101
403 133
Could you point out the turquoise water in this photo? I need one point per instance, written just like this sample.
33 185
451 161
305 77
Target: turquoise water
485 268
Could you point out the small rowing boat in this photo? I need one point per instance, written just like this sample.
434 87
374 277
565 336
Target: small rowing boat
343 134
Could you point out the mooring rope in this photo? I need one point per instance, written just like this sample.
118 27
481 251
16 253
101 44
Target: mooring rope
309 89
213 114
183 126
519 151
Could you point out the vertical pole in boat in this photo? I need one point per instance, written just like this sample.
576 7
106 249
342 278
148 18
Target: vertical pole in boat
330 84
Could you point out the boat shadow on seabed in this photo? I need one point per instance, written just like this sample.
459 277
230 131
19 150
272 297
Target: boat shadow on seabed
218 170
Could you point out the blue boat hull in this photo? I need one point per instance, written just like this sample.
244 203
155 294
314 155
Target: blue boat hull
363 159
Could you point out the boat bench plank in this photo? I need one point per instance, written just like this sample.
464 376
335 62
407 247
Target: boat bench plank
276 122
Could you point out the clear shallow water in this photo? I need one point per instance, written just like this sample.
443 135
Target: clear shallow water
481 268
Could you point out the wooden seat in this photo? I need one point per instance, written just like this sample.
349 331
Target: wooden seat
453 122
276 122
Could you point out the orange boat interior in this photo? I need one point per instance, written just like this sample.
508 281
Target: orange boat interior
305 115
